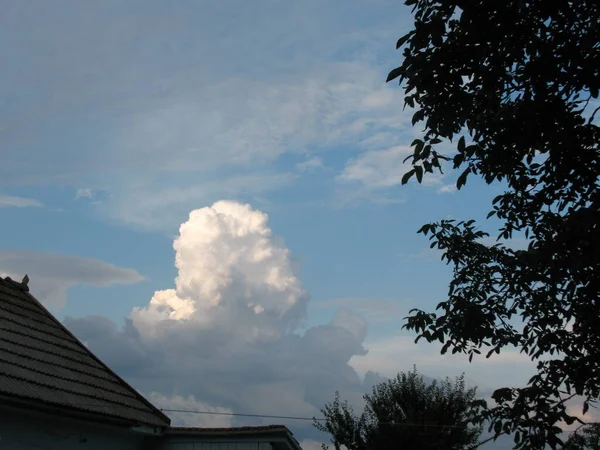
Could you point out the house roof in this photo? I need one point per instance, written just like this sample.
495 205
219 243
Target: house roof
42 362
278 431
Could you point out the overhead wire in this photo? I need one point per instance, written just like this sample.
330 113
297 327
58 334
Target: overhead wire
266 416
319 419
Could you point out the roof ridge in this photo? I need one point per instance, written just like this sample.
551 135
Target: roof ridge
22 286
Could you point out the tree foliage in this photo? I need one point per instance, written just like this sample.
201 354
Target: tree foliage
407 413
585 438
514 84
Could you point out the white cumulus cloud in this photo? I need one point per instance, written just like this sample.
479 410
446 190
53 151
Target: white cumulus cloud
226 336
228 263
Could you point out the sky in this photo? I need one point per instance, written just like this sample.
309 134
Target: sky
207 193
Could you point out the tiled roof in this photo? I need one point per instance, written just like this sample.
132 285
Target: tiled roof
41 361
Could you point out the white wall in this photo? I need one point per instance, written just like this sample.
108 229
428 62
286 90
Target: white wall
19 431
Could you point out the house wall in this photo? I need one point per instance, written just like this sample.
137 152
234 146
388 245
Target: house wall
197 444
22 431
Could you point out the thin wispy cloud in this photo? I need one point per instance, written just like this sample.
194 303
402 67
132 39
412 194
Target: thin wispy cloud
447 189
383 169
374 310
11 201
83 193
310 165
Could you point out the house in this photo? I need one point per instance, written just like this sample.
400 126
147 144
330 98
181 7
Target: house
273 437
56 394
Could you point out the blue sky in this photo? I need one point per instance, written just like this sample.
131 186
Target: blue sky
117 119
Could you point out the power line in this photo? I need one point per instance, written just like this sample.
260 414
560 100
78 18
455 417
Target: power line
264 416
267 416
319 419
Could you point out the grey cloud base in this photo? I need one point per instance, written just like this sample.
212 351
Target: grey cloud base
292 376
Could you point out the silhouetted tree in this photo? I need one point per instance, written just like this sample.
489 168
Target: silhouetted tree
586 438
514 84
406 413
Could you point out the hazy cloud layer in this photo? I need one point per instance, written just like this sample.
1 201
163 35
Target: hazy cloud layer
374 310
172 107
52 274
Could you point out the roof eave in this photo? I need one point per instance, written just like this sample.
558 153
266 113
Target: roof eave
24 403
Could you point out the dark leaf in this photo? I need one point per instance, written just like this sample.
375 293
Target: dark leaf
394 74
462 179
407 176
419 172
403 40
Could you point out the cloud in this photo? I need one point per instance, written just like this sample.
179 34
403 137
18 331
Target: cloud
7 201
373 310
226 337
227 334
140 207
515 243
207 113
181 419
447 189
53 274
391 354
310 164
229 265
382 169
83 193
229 145
428 255
311 444
575 408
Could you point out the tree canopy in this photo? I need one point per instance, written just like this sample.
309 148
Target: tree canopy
512 86
407 413
585 438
